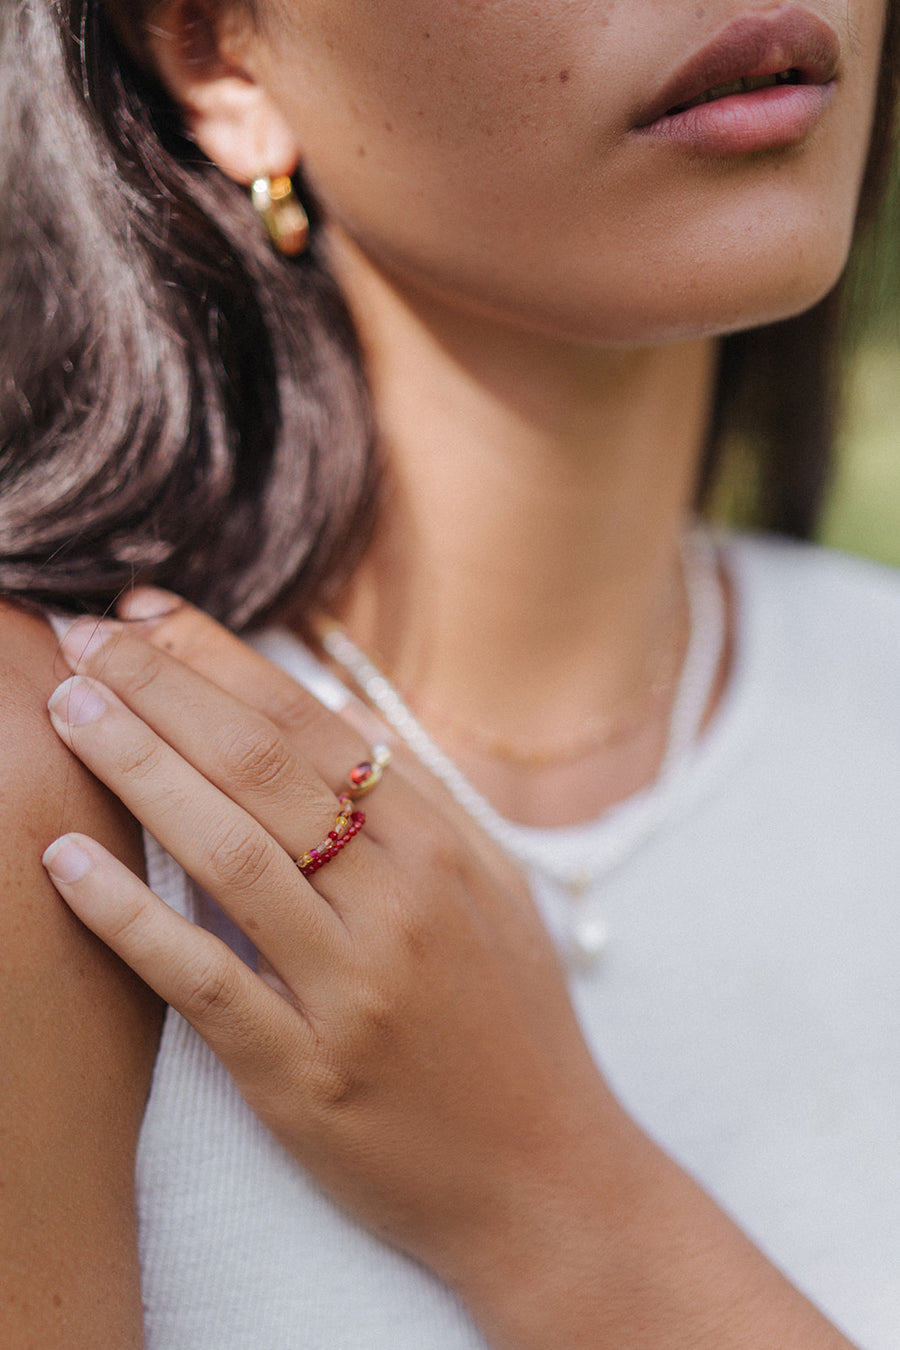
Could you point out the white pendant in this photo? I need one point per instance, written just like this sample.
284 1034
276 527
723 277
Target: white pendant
589 937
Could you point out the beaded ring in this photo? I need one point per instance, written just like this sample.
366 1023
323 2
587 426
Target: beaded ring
347 824
362 778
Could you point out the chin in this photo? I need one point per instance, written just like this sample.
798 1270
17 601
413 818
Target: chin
771 294
749 250
713 292
710 312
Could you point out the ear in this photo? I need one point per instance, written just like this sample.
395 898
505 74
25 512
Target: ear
199 56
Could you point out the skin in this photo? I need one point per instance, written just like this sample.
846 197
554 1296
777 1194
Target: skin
517 296
506 371
79 1040
418 126
538 295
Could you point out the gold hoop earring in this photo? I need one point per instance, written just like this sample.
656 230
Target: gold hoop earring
282 213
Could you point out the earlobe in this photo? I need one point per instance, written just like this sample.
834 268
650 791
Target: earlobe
228 113
234 123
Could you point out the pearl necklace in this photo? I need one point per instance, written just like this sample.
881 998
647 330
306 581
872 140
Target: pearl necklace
573 873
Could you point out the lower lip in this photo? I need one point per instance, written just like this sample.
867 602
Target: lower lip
773 118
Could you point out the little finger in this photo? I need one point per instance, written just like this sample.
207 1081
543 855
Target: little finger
250 1027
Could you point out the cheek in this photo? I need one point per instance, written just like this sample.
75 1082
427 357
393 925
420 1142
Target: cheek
423 120
458 154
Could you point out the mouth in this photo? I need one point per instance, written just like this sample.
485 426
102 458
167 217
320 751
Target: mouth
753 53
743 85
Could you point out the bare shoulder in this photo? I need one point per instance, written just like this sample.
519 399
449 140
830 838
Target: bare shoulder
78 1044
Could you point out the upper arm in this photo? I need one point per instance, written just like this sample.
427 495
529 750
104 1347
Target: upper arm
78 1041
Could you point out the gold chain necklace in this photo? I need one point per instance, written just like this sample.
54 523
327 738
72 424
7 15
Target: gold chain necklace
576 873
596 733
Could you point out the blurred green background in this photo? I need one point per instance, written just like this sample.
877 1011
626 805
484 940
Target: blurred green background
863 513
862 509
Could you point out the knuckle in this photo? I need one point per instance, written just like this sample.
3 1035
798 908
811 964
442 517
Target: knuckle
334 1085
439 849
143 670
210 989
376 1013
241 856
353 1049
338 1081
371 1030
296 712
140 759
132 924
255 757
415 932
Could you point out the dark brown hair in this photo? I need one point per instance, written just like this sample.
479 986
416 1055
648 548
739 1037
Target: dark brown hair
181 406
177 403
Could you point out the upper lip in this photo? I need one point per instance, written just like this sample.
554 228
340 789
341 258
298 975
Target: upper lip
753 45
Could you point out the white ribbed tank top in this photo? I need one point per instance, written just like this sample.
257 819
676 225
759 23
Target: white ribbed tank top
747 1012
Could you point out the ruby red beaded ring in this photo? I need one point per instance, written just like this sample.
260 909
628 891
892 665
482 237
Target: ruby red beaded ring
362 778
347 824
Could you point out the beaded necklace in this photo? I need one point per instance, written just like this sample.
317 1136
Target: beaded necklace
576 874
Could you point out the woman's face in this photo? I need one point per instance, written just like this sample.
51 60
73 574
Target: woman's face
497 153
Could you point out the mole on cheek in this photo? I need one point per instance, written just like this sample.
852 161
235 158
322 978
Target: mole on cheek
564 77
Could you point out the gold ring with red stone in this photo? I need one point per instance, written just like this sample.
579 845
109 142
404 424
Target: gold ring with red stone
366 775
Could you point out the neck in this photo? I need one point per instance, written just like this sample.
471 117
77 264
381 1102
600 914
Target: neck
526 563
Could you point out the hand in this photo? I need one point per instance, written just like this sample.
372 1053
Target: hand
418 1050
408 1035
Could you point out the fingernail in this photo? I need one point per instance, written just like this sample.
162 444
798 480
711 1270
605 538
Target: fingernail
65 861
147 604
77 702
83 637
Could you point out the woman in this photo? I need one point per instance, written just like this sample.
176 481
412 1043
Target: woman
545 221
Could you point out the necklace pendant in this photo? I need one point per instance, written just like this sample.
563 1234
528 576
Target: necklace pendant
588 931
589 939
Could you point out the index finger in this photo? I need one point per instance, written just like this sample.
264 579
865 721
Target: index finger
257 679
293 701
